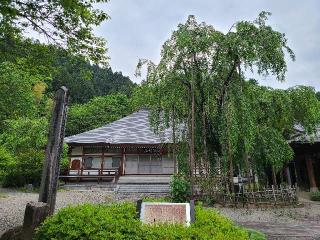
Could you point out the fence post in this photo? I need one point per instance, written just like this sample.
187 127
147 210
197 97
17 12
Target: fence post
274 195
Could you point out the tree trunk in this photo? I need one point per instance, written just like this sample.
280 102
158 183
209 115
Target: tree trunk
174 139
274 177
192 147
246 160
204 139
230 167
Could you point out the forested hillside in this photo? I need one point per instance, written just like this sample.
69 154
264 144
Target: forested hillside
30 73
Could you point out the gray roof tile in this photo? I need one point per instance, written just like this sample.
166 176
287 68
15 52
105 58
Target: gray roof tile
134 128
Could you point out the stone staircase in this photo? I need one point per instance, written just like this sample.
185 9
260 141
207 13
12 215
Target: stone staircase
153 185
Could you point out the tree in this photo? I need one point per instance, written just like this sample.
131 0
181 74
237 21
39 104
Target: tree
200 82
86 81
24 139
63 23
21 91
97 112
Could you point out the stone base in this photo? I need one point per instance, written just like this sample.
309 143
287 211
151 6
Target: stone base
34 215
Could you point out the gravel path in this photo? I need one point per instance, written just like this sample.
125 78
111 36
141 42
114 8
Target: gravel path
280 223
12 204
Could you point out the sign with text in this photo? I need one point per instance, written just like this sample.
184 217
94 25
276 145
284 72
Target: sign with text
165 213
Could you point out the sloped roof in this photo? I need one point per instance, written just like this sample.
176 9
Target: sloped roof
301 136
133 129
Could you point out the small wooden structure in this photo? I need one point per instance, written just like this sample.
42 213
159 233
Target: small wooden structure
304 170
127 146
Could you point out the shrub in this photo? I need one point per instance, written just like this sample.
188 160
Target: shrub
179 188
315 196
6 162
118 221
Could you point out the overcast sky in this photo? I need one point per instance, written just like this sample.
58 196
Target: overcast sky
138 28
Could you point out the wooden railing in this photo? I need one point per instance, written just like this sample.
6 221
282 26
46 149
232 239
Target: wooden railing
112 174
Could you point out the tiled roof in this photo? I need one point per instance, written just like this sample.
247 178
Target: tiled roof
301 136
133 129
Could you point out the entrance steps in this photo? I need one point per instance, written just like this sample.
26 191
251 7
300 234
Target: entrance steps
145 188
148 179
128 184
158 184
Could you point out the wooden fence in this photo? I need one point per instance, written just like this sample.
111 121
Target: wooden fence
261 197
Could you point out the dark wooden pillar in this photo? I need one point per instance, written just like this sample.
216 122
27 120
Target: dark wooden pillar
51 166
122 161
312 180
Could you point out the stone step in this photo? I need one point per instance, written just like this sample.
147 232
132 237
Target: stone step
135 179
146 188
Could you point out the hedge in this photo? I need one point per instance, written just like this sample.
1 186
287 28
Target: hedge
118 221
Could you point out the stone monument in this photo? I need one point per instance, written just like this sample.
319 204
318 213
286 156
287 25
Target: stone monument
164 212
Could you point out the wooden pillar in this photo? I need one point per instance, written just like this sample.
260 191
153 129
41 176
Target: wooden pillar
288 175
51 166
312 180
122 161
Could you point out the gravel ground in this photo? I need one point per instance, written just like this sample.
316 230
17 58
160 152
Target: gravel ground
13 203
302 222
294 215
299 222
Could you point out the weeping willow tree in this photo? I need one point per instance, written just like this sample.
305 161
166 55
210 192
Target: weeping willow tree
218 119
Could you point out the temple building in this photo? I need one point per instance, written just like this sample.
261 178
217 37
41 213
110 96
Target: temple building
127 146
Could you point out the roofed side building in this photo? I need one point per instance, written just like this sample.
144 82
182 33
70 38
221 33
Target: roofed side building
304 170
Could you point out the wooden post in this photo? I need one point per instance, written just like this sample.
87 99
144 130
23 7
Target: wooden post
312 180
51 167
288 176
122 161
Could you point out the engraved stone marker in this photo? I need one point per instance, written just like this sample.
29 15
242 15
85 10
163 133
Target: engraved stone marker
165 212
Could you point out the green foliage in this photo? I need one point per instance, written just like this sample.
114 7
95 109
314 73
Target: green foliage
97 112
30 72
118 221
179 188
23 134
86 81
7 162
25 139
64 23
315 196
16 91
26 170
64 164
255 235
